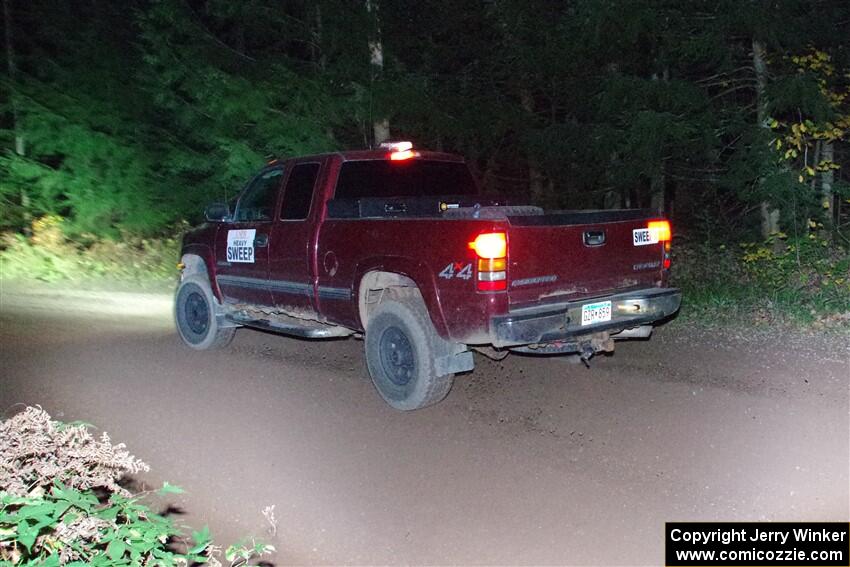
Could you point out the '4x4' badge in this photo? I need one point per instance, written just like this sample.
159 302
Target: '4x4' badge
457 270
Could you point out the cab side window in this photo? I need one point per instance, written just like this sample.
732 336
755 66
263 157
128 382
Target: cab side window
257 202
299 191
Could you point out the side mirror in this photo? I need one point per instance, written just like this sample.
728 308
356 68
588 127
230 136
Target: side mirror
217 212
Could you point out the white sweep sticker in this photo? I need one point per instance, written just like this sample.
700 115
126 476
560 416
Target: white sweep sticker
240 245
644 236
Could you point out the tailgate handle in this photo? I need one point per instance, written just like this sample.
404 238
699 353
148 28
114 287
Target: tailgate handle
594 237
395 208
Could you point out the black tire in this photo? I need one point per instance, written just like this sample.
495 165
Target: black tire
401 345
195 315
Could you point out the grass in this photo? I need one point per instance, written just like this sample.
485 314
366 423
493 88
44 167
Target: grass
49 257
804 282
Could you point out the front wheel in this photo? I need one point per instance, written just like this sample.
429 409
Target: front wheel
401 347
195 315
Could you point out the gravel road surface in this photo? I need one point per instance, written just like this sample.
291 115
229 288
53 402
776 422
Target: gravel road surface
528 460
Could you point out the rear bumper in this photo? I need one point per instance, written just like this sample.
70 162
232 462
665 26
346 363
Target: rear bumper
538 325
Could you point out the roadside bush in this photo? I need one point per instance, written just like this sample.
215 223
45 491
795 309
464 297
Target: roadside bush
804 280
61 504
48 256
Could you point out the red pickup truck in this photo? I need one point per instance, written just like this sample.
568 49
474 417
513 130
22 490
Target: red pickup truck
400 247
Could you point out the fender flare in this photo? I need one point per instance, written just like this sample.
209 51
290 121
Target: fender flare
205 253
417 271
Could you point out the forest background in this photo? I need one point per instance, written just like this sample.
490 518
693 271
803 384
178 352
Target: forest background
121 120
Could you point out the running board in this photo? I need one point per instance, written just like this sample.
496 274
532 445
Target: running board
295 327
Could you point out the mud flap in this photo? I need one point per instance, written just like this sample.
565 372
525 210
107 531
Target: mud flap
454 363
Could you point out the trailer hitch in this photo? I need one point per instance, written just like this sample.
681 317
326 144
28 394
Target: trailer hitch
586 353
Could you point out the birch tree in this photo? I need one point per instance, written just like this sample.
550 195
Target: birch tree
769 210
380 124
17 127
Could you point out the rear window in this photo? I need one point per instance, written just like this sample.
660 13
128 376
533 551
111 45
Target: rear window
409 178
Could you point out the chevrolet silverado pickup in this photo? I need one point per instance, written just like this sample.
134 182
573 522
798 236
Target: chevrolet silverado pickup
399 247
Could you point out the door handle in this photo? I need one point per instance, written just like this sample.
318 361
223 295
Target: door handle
594 237
261 240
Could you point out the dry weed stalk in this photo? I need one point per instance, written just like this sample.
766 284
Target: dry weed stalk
35 452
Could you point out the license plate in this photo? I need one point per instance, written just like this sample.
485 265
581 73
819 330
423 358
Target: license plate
595 313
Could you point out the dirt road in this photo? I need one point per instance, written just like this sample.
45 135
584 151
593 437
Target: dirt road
528 461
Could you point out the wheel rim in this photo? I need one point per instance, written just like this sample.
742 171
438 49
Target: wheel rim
397 357
197 313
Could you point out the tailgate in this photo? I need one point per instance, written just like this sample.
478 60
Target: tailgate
573 255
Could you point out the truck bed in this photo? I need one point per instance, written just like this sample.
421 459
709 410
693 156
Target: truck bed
569 255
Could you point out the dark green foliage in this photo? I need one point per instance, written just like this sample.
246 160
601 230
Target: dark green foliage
135 114
786 280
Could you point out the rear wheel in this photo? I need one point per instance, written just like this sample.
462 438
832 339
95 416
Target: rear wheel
195 315
401 347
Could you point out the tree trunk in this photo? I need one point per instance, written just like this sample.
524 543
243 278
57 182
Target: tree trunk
380 126
20 142
316 54
13 76
669 197
826 180
535 176
769 212
656 193
320 58
658 183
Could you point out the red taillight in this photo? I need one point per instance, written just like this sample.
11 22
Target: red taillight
490 245
492 251
661 228
663 234
500 285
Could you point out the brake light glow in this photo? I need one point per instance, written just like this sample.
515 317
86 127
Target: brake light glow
399 151
490 245
492 251
500 285
661 230
401 156
662 233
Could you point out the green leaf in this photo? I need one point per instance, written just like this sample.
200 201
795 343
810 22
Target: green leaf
116 549
38 511
60 509
169 489
27 535
109 513
202 539
83 500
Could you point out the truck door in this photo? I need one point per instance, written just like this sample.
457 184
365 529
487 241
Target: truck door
242 245
293 243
